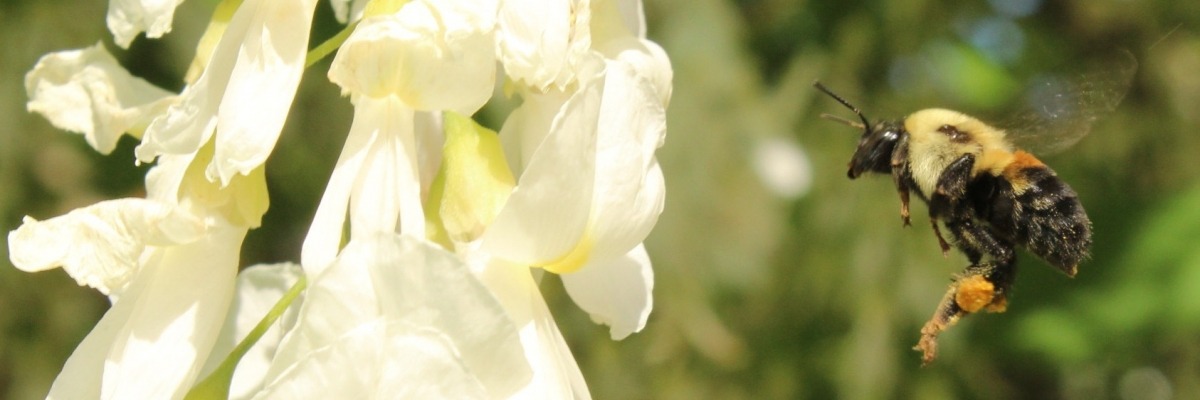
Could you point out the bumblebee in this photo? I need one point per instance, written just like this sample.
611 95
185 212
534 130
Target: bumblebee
990 196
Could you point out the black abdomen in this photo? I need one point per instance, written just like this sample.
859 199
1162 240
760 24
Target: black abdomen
1046 217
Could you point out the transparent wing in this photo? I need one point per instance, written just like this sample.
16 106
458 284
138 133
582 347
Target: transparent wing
1058 111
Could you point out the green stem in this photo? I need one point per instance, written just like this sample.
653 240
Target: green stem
216 385
329 46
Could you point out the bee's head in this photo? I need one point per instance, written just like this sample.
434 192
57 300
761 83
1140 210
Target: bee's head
874 153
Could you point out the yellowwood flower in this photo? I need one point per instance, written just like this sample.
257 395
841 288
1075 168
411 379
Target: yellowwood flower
167 262
423 255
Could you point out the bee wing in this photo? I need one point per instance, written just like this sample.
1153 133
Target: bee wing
1059 111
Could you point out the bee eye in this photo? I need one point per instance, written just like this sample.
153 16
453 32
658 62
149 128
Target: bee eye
955 135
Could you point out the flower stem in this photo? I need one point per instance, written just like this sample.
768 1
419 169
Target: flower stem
329 46
216 385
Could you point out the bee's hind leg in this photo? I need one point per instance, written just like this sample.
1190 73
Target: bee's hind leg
982 286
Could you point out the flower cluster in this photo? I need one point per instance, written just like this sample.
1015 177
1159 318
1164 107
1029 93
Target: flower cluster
420 262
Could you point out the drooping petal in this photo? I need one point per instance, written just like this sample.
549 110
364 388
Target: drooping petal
244 93
544 45
258 288
152 343
87 91
427 305
547 214
630 191
615 291
127 18
101 245
261 85
556 375
375 179
433 55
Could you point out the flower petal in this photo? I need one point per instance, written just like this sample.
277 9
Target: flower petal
87 91
378 359
429 303
152 343
556 375
546 216
100 245
615 292
630 191
262 84
543 45
244 93
375 179
432 55
127 18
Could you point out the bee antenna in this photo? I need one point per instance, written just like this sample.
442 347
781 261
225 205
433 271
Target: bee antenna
835 118
823 89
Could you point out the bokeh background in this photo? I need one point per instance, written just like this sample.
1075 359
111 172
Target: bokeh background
776 277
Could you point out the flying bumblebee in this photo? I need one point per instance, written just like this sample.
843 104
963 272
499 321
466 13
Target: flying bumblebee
990 195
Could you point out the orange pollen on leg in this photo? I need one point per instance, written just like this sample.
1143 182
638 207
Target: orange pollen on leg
974 292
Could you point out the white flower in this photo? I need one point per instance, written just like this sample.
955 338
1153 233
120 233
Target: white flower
100 245
127 18
429 56
169 298
543 44
244 94
590 188
397 317
87 91
169 261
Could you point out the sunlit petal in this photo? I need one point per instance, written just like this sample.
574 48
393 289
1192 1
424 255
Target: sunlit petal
432 55
154 340
630 191
546 215
615 291
244 93
375 180
100 245
87 91
128 18
543 45
427 302
270 61
555 372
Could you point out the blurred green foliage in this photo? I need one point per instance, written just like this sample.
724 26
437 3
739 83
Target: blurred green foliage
758 295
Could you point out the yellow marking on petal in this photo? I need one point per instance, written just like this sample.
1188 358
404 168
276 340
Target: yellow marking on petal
243 202
473 183
574 260
212 35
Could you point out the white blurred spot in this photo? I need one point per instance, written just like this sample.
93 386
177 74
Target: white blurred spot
1145 383
782 166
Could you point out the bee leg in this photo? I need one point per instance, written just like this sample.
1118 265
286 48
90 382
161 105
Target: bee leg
949 200
979 287
941 241
902 176
975 240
